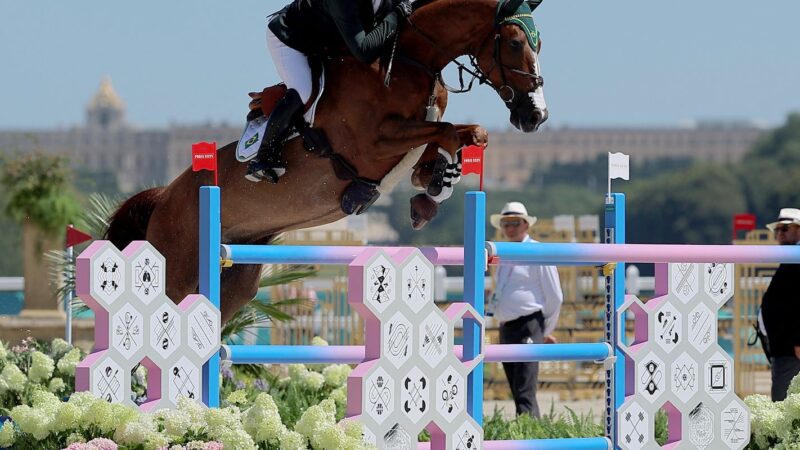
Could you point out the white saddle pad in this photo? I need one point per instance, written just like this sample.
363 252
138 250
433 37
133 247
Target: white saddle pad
250 142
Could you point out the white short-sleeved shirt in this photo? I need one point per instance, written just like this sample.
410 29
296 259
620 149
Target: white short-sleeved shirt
522 290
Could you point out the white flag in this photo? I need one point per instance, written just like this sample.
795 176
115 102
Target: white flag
618 166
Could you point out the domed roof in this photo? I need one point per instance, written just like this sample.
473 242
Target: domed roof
106 96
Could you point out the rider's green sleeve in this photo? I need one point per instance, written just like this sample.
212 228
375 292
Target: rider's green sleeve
364 46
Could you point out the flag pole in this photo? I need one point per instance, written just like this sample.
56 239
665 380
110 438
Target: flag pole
481 182
608 197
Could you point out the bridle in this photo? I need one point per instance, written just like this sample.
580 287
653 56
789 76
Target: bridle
476 71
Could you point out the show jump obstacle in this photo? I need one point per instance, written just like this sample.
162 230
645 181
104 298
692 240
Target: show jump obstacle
410 375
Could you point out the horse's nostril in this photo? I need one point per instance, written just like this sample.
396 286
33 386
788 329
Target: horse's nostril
544 115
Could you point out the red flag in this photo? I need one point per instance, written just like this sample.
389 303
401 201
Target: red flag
76 236
743 222
204 157
473 160
472 157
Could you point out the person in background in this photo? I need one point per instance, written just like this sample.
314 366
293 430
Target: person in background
526 302
780 308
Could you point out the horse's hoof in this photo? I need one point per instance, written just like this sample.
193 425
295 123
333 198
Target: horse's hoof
422 175
423 210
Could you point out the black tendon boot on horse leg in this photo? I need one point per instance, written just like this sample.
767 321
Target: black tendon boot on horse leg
268 164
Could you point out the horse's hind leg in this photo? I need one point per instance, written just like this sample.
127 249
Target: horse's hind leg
238 285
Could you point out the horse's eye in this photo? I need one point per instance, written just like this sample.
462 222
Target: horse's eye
516 45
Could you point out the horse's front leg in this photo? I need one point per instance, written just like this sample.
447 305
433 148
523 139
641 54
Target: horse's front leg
441 157
423 170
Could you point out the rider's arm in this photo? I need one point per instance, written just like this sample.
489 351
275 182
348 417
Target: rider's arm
366 47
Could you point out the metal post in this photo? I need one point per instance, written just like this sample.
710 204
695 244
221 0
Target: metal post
69 295
210 241
474 269
615 297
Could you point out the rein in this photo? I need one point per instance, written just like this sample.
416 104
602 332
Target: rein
476 71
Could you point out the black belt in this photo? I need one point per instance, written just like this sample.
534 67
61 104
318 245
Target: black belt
536 315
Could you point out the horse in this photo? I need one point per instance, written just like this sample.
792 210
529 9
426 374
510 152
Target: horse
371 125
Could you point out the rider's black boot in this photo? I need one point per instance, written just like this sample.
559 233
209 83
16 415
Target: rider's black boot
268 164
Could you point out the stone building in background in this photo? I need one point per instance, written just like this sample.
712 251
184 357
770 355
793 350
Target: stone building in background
107 142
145 157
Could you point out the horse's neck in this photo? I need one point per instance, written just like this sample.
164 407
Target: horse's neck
457 27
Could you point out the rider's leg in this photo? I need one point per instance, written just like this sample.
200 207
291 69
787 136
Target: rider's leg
293 68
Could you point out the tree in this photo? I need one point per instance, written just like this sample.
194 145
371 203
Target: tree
691 207
39 197
770 171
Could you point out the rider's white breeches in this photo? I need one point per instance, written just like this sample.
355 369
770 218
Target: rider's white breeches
292 66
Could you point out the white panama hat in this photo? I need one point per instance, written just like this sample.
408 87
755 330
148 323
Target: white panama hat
512 209
787 216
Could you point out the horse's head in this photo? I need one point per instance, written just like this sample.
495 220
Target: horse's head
509 59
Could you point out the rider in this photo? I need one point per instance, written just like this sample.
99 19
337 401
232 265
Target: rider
317 28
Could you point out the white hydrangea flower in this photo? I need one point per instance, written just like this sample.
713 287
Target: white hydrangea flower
238 397
765 418
312 380
196 412
336 375
32 421
329 438
318 341
12 379
59 347
67 418
262 421
67 364
315 419
292 440
352 428
133 433
56 385
7 435
176 422
296 371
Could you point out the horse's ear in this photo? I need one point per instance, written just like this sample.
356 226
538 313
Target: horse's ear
534 4
507 8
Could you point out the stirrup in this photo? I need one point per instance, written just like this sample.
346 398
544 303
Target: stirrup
258 171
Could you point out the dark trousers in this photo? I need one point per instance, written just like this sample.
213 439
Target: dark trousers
784 368
523 376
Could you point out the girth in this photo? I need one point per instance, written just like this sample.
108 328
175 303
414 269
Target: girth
362 192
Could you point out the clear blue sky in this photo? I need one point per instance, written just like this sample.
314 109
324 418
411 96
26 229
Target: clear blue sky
606 62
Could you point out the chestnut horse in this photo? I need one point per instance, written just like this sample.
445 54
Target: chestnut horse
370 124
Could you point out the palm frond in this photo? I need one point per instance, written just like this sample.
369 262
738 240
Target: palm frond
258 314
277 275
61 267
274 311
95 216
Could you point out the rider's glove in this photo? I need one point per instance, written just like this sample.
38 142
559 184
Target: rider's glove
403 9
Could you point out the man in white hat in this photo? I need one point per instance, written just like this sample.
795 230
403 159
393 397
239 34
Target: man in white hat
526 301
780 309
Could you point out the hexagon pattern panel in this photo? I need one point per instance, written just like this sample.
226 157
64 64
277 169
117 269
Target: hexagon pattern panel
135 322
680 368
415 381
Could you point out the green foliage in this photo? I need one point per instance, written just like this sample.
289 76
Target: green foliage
689 207
592 174
31 366
39 190
550 426
769 172
447 228
10 242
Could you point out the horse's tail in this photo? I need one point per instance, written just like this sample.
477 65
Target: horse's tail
129 221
